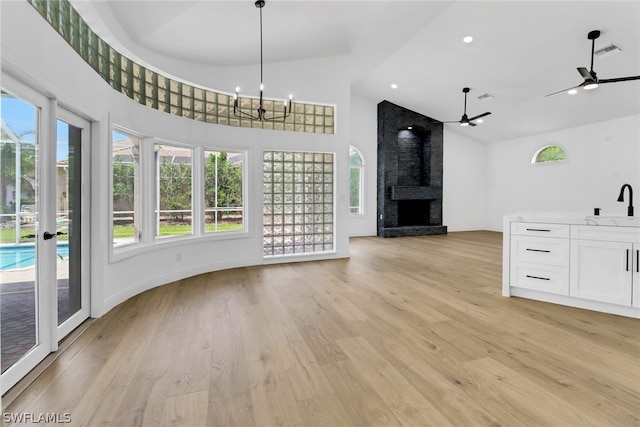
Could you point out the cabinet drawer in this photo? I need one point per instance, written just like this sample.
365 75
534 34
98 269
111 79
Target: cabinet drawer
540 229
540 250
537 277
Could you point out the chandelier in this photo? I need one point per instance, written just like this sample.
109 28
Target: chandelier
261 113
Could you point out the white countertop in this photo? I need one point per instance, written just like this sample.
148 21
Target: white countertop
575 218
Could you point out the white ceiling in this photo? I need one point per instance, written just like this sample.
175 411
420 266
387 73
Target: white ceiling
522 50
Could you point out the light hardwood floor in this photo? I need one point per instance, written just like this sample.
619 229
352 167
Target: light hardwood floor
407 332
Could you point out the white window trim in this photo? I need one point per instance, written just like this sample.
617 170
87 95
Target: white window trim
148 241
361 167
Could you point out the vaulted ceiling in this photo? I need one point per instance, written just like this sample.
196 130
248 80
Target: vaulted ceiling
521 51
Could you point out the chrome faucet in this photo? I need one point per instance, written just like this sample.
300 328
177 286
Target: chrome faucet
621 198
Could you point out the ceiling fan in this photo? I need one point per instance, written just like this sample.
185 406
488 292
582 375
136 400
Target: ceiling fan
591 80
465 120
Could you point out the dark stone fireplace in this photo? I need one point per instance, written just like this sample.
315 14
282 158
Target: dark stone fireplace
409 173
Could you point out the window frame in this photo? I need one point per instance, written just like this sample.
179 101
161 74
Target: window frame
534 158
148 185
156 190
202 222
139 240
361 168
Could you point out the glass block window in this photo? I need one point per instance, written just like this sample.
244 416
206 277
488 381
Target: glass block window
549 153
298 202
223 199
162 93
173 190
356 181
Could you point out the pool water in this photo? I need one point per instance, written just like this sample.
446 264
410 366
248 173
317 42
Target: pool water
25 256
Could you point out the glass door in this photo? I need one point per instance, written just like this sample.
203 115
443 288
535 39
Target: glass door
43 272
71 272
25 338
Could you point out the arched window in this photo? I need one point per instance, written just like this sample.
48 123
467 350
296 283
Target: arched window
548 154
356 181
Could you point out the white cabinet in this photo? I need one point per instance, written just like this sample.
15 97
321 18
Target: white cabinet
539 257
603 262
574 261
601 271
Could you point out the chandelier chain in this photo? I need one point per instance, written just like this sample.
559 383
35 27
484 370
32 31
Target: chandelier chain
261 112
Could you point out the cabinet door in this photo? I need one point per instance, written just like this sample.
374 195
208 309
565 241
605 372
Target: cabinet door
636 275
601 271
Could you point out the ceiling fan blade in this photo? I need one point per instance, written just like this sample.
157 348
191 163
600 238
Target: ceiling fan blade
564 90
479 115
472 124
619 79
584 73
452 121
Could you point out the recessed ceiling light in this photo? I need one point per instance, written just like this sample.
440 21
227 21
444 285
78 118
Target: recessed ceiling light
572 91
467 39
394 86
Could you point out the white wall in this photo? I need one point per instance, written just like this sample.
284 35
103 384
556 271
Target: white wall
364 136
35 54
601 157
463 200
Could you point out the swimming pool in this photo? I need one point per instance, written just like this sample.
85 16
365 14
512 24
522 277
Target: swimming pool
24 255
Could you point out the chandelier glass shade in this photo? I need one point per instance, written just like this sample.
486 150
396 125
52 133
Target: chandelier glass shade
261 113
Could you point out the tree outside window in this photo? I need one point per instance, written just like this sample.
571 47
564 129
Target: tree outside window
549 153
126 189
223 173
173 200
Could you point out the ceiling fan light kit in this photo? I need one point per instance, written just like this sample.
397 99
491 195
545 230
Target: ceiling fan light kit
590 85
261 112
590 77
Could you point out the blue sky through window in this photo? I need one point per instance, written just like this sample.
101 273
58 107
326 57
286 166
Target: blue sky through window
20 117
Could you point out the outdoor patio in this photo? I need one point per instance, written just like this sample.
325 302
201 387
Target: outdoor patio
17 311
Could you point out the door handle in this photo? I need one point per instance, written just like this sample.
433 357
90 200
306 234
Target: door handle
48 235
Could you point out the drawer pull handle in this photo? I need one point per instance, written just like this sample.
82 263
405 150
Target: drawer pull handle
638 261
539 250
537 229
539 278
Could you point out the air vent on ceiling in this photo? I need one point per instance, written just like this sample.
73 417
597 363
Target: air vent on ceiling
485 97
607 51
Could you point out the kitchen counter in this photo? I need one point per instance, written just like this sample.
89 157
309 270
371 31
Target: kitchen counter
575 218
584 261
